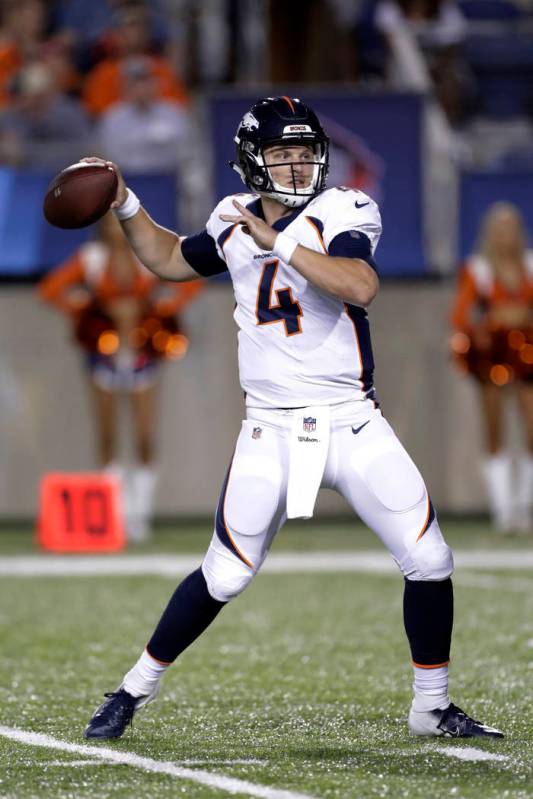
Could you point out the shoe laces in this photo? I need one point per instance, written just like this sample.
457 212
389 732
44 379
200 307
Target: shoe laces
462 719
123 696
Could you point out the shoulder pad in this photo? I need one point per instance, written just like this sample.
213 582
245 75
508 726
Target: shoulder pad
342 209
215 226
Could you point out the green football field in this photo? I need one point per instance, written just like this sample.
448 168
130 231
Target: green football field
299 689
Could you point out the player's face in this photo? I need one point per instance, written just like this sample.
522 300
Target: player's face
290 166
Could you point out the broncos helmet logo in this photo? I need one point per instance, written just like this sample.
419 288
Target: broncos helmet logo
249 121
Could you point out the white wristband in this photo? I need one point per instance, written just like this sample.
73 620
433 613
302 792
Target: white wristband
284 247
129 207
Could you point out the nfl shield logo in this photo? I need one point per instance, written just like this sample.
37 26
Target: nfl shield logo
256 432
309 424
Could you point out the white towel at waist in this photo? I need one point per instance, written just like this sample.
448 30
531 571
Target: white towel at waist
307 459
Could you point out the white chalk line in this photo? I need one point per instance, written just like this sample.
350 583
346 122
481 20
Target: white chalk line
277 563
467 753
231 785
470 753
87 762
105 756
250 761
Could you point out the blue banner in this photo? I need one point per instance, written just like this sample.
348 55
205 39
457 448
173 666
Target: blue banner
375 146
29 245
479 190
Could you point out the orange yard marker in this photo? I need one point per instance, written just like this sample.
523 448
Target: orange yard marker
80 512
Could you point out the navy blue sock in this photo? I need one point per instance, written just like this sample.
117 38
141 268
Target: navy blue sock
428 619
190 611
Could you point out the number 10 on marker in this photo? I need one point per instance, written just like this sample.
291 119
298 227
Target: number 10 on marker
80 513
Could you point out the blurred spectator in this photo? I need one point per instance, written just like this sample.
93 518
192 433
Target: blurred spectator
24 39
131 36
42 127
493 342
125 320
440 30
87 26
143 133
21 36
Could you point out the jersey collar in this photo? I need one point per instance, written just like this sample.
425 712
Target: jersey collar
256 208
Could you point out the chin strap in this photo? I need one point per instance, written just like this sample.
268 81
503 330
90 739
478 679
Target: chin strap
290 200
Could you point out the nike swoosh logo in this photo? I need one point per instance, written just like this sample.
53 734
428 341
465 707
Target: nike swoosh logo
356 430
360 205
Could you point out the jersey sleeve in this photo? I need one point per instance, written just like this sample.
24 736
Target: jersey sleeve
353 212
353 244
202 254
204 251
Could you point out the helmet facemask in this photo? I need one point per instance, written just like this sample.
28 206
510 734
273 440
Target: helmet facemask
294 194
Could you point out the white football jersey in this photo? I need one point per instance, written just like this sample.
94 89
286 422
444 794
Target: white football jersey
298 346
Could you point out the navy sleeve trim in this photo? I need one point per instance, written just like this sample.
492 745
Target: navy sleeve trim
200 252
352 244
224 236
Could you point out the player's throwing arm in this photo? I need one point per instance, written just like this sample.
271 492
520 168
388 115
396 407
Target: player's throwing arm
158 248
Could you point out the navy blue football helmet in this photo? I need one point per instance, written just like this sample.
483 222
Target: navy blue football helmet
280 120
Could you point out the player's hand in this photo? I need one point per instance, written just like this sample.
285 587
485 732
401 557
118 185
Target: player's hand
121 194
263 235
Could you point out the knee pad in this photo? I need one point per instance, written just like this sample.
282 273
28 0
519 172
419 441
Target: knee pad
430 558
226 576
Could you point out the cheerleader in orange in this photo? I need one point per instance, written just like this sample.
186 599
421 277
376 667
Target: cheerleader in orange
126 320
493 342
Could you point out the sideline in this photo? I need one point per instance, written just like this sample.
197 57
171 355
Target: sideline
369 561
231 785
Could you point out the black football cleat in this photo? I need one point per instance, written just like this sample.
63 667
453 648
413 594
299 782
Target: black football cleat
113 716
451 723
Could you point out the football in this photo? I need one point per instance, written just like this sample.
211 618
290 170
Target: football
80 195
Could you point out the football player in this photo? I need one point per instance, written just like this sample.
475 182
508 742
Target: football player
301 259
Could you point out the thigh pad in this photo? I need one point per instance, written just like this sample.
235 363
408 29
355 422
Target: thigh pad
253 494
393 478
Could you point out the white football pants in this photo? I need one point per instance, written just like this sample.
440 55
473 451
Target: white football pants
365 463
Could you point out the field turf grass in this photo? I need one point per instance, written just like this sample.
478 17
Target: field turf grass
304 680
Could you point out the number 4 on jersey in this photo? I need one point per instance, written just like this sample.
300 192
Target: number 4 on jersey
287 310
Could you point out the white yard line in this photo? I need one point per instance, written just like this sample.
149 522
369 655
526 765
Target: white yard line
92 762
469 753
277 563
241 761
69 763
230 785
